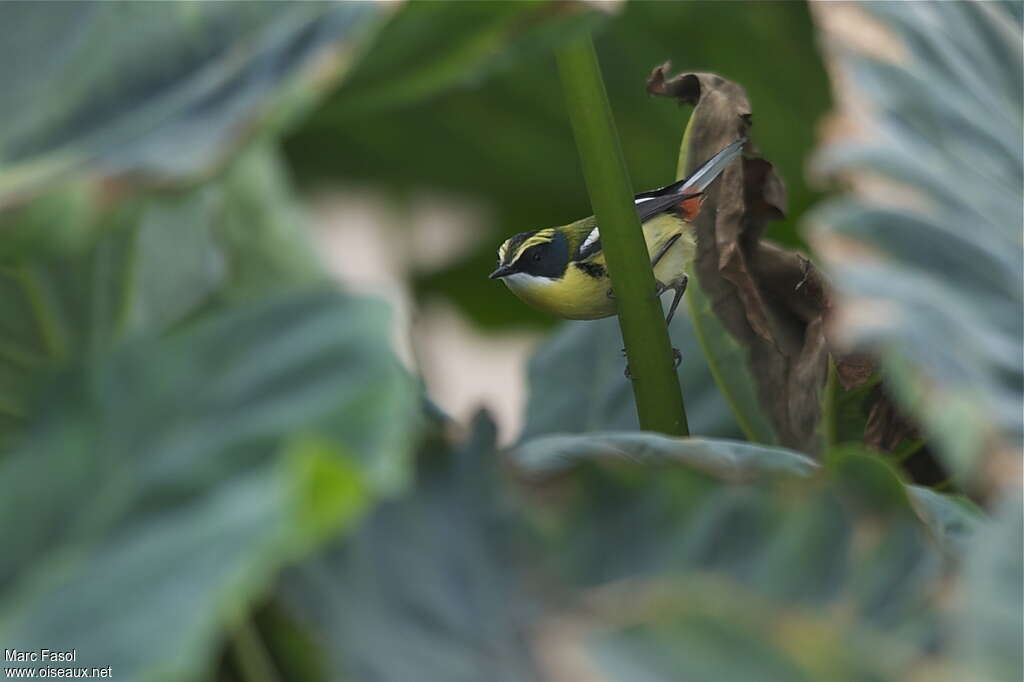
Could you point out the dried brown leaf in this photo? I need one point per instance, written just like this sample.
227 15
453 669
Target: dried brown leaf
772 300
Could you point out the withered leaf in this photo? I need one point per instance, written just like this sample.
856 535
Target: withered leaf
773 301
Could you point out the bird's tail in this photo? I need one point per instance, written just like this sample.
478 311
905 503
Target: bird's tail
700 179
687 195
712 168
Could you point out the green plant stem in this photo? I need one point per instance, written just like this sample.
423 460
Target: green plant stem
253 660
659 399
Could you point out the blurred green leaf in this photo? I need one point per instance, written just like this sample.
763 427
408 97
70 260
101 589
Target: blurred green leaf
291 647
952 519
990 624
700 644
156 262
507 143
61 222
75 307
928 255
168 482
620 562
428 47
732 460
682 577
426 589
259 227
577 383
157 90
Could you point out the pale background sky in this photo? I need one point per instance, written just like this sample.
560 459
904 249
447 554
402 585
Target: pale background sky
372 247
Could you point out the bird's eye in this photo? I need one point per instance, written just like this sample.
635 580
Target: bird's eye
536 257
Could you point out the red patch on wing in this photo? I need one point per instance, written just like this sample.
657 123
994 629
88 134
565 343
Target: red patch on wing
689 207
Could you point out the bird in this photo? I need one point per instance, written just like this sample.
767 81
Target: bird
562 271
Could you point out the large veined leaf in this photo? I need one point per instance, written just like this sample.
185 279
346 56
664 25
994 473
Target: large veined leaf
951 520
618 561
157 261
427 589
927 250
577 383
157 90
169 481
56 312
681 577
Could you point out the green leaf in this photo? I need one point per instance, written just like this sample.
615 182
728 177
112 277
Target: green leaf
577 383
680 576
699 645
954 520
69 308
165 99
426 589
951 520
169 481
62 222
259 227
928 254
640 560
727 459
426 48
989 626
230 239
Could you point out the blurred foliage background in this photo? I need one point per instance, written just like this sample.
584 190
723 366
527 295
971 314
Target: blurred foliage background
218 462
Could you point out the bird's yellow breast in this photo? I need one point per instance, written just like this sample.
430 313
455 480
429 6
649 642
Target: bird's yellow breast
579 296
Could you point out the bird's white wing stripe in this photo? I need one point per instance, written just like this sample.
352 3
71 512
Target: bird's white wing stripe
595 234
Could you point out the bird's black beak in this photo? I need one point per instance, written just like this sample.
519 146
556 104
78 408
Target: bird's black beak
502 271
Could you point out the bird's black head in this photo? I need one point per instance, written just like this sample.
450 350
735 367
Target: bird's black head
540 253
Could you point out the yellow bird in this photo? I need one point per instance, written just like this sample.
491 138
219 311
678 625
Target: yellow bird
561 270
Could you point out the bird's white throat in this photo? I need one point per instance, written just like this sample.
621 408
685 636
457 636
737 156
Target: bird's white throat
521 280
